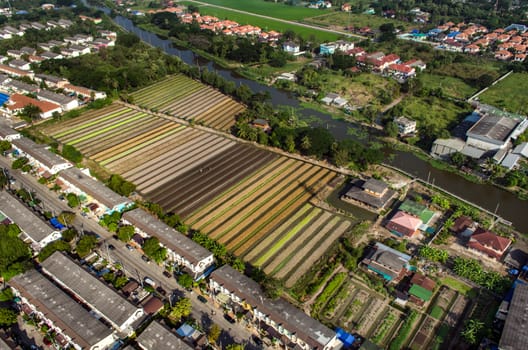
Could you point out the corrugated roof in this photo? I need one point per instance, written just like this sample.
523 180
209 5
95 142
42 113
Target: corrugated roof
493 127
156 337
420 292
515 334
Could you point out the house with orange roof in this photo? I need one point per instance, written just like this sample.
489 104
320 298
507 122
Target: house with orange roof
520 57
472 48
503 55
462 37
520 48
401 70
403 224
503 37
499 31
517 39
481 42
491 36
17 102
488 243
505 46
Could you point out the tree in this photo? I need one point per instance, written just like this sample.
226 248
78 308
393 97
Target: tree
272 287
31 112
66 218
52 247
471 332
19 162
85 245
7 317
185 280
214 333
182 308
238 264
391 129
234 347
73 200
71 153
5 146
120 282
152 249
458 159
125 233
388 32
69 234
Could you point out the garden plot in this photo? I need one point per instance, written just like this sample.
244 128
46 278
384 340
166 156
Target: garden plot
186 98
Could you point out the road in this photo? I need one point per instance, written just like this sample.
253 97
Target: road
134 266
281 20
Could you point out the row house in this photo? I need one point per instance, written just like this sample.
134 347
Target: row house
18 102
15 72
295 329
80 91
181 249
40 156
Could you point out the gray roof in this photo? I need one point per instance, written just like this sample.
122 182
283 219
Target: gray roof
93 188
94 292
404 121
493 128
3 78
60 308
49 54
514 336
156 336
54 97
472 152
21 86
50 78
282 312
375 185
18 63
28 222
510 161
6 130
357 192
39 152
521 149
172 239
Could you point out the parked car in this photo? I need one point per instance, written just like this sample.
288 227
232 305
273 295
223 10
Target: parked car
229 318
111 247
256 340
129 247
167 274
202 299
149 281
161 291
145 258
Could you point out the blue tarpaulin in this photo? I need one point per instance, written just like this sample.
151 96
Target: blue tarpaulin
185 330
55 223
347 338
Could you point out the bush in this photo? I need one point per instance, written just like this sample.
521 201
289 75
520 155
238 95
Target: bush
71 153
403 333
125 233
19 162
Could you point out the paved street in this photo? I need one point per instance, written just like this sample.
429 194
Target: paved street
131 261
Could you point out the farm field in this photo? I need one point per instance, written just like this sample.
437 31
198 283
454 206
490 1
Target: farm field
341 19
189 99
262 206
509 94
451 86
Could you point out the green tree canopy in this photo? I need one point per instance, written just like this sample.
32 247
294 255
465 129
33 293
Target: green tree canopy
125 233
52 247
181 308
85 245
7 317
71 153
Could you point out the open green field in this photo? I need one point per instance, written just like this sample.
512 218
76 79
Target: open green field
451 86
346 19
267 24
457 285
509 93
261 7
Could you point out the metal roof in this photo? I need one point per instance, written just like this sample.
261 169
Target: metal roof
28 222
510 160
156 336
39 152
60 308
94 292
493 127
93 188
515 334
6 130
280 311
53 97
169 237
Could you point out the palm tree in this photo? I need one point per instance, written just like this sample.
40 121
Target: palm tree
31 112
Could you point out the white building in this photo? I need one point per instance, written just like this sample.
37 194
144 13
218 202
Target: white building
65 102
40 156
405 126
7 133
291 47
492 132
182 250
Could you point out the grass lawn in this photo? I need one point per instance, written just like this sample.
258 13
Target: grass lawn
343 19
437 312
268 24
259 71
267 8
451 86
459 286
509 94
471 69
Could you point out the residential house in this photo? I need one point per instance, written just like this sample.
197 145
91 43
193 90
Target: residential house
28 50
514 335
331 48
181 249
405 126
84 92
65 23
510 161
48 55
503 55
20 64
401 70
463 226
102 299
51 81
339 102
40 156
65 102
35 59
488 243
38 26
21 87
473 49
329 98
389 263
291 47
16 54
421 289
346 7
34 231
291 326
261 124
373 193
101 42
73 325
404 224
7 133
521 149
17 102
156 336
81 183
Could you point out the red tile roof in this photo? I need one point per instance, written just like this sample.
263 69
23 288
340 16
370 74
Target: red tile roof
18 101
423 281
404 223
489 243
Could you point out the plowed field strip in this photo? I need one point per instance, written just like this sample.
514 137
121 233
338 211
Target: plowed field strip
143 155
92 122
275 233
134 149
169 154
280 213
108 128
114 140
203 106
114 137
166 82
234 190
91 115
202 196
188 163
132 140
304 264
273 265
173 95
205 186
241 198
191 100
220 111
243 210
287 236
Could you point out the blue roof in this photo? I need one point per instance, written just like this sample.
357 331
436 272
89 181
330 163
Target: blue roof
415 31
519 27
452 34
347 338
3 98
185 330
473 117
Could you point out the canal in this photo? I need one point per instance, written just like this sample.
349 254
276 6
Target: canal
489 197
